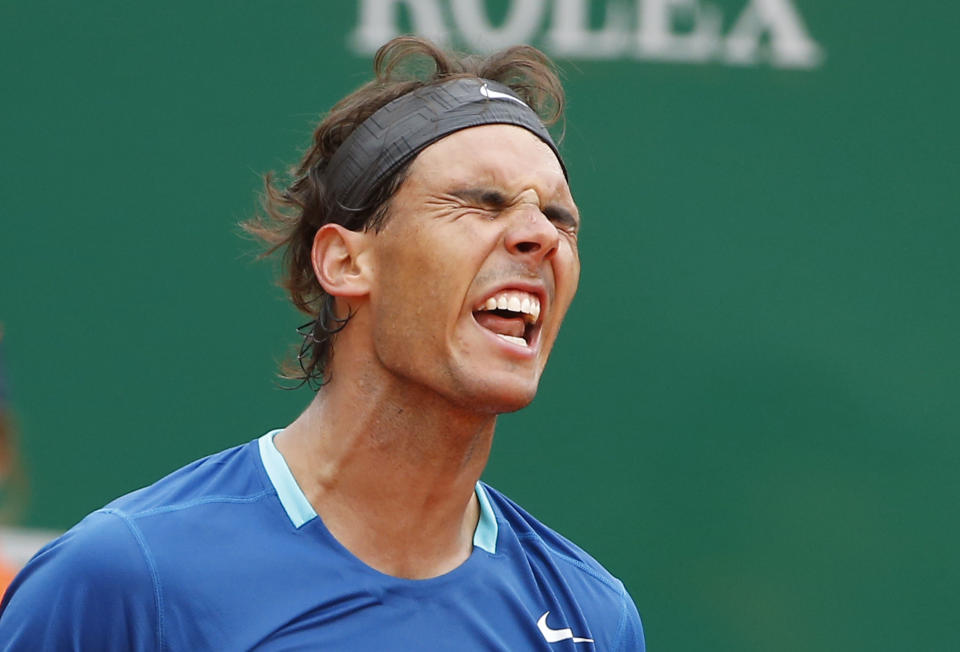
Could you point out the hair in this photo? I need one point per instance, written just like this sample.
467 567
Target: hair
293 211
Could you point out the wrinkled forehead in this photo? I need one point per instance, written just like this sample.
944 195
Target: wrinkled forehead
497 155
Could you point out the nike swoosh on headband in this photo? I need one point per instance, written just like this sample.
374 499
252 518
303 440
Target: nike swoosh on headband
496 95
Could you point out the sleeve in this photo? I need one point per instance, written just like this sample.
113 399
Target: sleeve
630 638
94 588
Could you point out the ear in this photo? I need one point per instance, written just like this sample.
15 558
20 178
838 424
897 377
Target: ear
340 261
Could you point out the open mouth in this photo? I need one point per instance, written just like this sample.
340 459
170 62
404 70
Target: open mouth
512 315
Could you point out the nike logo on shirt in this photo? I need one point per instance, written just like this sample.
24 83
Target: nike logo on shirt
557 635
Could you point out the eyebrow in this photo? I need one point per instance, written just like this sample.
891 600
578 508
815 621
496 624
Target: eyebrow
496 199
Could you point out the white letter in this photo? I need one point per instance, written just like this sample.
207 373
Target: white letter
790 44
570 33
519 26
657 40
378 23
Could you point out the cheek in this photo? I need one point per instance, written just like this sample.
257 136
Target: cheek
568 274
417 286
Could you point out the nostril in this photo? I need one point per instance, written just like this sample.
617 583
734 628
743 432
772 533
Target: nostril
527 247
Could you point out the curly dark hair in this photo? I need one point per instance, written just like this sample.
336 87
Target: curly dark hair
294 211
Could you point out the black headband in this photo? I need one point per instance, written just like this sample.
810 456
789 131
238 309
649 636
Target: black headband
399 130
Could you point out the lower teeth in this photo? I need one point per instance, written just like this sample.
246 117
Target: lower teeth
514 340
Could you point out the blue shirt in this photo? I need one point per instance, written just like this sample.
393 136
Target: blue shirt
228 554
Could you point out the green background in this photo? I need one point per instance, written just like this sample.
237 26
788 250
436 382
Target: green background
751 416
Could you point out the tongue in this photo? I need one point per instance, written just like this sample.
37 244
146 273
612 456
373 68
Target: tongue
514 326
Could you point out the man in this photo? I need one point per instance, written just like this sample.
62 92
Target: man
432 235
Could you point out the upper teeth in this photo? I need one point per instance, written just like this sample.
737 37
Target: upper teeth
515 301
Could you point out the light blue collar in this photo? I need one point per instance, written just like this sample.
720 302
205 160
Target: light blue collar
300 511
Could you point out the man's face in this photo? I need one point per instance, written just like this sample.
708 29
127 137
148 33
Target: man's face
475 268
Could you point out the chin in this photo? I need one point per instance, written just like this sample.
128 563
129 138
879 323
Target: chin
499 397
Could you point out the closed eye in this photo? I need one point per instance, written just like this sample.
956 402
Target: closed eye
562 218
481 198
494 200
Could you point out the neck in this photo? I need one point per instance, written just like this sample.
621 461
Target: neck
391 470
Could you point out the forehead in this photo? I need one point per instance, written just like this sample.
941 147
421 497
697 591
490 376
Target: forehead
504 155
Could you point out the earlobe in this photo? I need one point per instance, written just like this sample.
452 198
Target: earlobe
339 261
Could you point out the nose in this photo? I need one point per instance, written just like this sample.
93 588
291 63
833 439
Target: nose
531 234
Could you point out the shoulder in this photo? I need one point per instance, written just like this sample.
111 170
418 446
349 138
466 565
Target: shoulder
92 585
533 535
591 587
231 475
103 580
